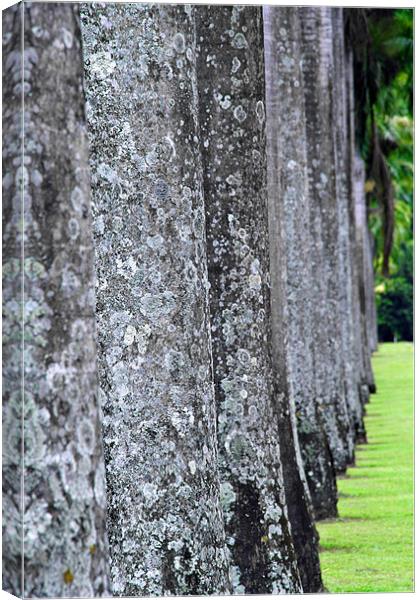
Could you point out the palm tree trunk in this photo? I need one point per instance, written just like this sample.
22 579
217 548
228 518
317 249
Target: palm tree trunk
232 116
317 77
47 229
359 230
12 302
366 283
290 291
165 522
358 349
370 279
341 130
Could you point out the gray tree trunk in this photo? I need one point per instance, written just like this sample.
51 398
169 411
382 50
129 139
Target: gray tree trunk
47 210
370 279
12 301
291 290
317 77
365 271
232 113
343 157
358 349
359 232
165 522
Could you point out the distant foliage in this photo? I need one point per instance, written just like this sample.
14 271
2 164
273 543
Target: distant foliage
394 116
394 299
384 73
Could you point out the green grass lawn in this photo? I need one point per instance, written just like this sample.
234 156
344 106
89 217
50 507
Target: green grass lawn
370 547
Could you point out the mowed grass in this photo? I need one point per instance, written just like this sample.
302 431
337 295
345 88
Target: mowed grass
370 547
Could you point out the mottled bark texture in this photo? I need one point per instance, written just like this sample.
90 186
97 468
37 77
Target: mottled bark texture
365 273
358 221
359 364
345 249
12 304
370 282
232 119
316 30
291 251
288 209
165 523
47 209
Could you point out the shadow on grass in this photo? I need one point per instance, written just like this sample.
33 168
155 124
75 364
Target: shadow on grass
334 549
341 520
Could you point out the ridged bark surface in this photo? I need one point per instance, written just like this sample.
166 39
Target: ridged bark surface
317 78
288 204
65 548
165 523
232 115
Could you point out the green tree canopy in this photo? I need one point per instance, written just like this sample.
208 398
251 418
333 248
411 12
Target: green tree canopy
382 40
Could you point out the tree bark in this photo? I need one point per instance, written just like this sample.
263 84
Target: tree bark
359 361
12 301
359 222
288 204
370 279
232 116
317 78
218 449
365 279
165 522
343 157
47 214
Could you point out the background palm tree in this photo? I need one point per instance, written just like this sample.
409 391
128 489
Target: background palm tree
382 42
